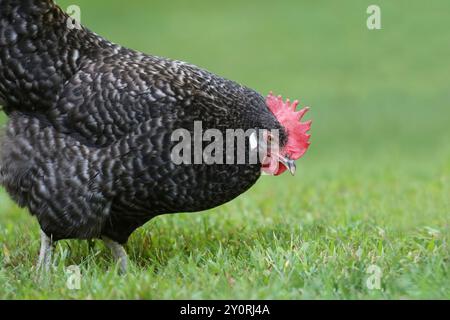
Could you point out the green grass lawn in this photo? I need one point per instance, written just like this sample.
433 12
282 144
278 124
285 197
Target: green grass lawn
373 190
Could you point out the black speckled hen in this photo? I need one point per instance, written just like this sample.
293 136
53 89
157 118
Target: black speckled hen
87 148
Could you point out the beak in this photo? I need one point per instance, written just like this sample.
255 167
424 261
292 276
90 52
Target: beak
289 164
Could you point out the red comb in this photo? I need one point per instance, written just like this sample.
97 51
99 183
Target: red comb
285 112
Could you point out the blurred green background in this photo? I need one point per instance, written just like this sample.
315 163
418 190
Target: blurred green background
380 154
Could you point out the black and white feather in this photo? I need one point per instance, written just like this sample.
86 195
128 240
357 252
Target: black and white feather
88 143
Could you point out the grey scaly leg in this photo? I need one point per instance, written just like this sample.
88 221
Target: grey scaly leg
45 254
118 253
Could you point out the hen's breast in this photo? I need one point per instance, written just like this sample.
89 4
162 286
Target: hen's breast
128 105
101 157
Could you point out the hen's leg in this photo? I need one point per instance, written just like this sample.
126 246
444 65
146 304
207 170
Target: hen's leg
45 254
118 253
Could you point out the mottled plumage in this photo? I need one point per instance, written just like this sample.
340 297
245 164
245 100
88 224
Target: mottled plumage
87 146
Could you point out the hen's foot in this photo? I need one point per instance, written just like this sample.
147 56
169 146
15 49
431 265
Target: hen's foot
118 253
45 254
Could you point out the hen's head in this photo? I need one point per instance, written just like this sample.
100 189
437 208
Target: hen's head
280 157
